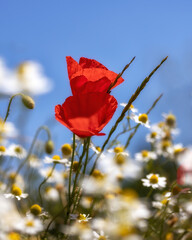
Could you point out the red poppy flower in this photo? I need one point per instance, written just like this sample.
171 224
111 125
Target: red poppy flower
86 114
80 84
91 70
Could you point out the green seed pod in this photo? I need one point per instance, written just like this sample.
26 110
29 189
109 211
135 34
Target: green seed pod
28 102
49 147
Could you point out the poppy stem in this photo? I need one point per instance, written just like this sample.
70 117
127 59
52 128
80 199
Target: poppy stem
70 173
87 155
126 108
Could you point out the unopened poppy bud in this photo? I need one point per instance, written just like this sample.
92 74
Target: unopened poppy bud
28 102
49 147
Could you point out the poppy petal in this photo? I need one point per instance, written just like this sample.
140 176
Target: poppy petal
90 63
86 114
80 84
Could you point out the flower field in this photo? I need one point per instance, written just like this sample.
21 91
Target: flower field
81 190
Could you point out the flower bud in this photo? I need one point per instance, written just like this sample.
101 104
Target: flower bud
49 147
28 102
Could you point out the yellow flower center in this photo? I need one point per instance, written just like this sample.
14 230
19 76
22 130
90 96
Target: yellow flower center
167 135
75 166
118 149
102 238
164 201
170 120
161 124
98 149
143 118
153 135
154 179
35 209
178 150
18 149
120 159
131 106
129 195
21 68
145 153
125 230
29 223
169 236
65 175
56 157
66 149
48 189
165 144
2 149
82 217
97 174
16 191
13 236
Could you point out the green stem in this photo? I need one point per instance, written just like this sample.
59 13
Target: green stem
87 155
32 146
44 181
9 105
119 75
149 193
70 173
137 126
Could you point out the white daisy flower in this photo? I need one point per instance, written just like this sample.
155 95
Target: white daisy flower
29 225
31 78
54 176
117 149
34 161
17 151
132 108
164 148
57 159
175 150
36 210
16 192
3 151
170 120
154 181
96 149
153 136
80 217
141 118
7 130
51 194
145 156
99 236
28 77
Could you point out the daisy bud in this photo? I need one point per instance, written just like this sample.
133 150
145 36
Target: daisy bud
49 147
28 101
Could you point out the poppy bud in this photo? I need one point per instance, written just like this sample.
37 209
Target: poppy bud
49 147
28 102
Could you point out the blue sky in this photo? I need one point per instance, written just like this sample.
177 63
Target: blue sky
111 32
